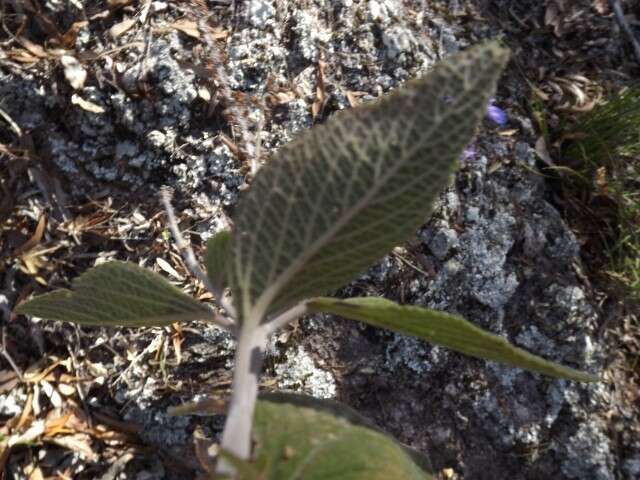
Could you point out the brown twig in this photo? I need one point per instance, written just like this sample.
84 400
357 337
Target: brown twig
7 357
80 390
148 40
624 25
14 126
234 113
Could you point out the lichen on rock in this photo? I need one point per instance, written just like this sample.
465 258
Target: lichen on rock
496 250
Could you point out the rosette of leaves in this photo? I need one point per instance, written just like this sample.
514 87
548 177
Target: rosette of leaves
322 210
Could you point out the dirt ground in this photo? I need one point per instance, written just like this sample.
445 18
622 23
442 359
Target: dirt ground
103 102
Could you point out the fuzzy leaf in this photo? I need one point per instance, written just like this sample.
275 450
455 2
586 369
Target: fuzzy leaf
117 294
343 194
447 330
345 412
295 442
217 258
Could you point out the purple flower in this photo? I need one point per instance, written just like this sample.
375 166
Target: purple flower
496 114
469 153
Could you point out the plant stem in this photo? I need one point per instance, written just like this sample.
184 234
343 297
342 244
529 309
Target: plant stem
252 342
285 318
190 258
236 438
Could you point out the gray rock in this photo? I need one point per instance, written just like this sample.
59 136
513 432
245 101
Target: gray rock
383 11
498 252
588 453
631 467
397 40
299 372
442 242
261 13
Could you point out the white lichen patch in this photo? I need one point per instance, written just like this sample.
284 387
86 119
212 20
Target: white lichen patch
588 453
300 373
12 403
261 13
415 354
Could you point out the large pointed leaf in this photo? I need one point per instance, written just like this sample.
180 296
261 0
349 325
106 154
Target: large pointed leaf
217 258
451 331
343 194
295 442
117 293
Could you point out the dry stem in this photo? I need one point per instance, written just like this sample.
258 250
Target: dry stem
234 113
624 25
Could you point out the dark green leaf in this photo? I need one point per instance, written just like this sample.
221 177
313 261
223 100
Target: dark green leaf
117 293
345 412
245 470
451 331
217 258
296 442
343 194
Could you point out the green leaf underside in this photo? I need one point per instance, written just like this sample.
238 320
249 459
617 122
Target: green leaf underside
343 194
301 443
216 258
117 294
444 329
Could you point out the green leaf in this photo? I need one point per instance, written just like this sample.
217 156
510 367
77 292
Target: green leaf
245 470
295 442
217 258
345 412
343 194
117 293
451 331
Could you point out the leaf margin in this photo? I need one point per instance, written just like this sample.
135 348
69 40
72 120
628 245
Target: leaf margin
257 296
75 304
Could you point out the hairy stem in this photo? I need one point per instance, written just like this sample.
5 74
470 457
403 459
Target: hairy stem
190 259
276 323
236 438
